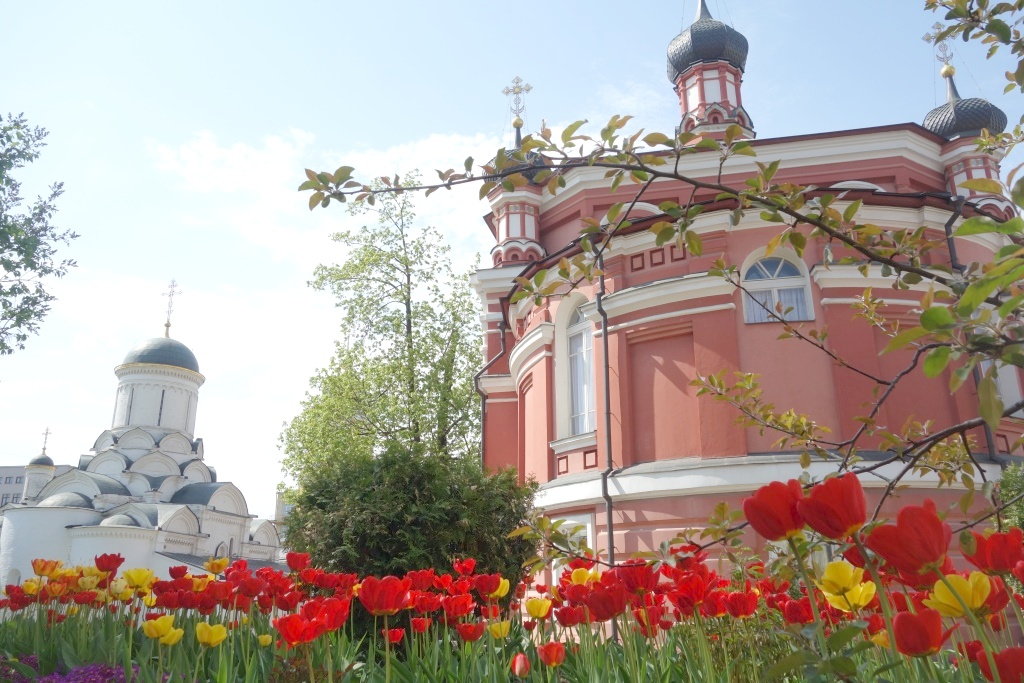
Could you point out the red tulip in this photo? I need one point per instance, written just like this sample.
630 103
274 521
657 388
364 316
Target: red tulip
420 624
464 567
297 561
836 507
177 572
917 542
520 665
919 635
998 553
486 584
471 632
772 510
741 604
386 596
109 562
295 629
393 635
606 603
1009 664
552 654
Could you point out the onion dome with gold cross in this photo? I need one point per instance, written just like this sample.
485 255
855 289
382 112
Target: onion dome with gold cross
705 40
963 118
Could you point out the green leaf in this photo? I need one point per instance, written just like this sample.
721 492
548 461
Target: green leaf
653 139
851 211
790 662
937 317
935 361
975 294
987 185
905 337
694 245
570 130
980 225
1000 29
1017 192
990 405
968 543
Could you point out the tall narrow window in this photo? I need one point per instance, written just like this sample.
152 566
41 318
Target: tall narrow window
581 375
774 281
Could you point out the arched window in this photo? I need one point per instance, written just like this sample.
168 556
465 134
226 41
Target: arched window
581 374
773 281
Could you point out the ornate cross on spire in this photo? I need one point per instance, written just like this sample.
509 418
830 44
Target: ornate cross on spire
517 90
46 437
171 291
941 48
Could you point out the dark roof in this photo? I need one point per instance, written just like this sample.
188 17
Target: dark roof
67 499
964 118
41 459
163 351
706 40
197 494
198 560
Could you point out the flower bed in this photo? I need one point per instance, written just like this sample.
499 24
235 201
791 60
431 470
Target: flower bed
889 606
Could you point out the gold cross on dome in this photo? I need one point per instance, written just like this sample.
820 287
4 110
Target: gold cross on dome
171 291
517 90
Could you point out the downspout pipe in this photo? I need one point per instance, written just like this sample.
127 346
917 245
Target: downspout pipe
609 463
954 262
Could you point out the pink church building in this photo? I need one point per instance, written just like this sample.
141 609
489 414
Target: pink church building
662 458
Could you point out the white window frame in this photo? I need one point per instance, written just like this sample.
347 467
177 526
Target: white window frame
584 414
774 285
563 387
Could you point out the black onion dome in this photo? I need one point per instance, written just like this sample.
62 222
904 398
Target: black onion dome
163 351
42 459
706 40
964 118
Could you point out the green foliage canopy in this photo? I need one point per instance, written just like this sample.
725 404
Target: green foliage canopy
386 449
28 241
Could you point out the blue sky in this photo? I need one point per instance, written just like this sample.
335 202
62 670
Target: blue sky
181 130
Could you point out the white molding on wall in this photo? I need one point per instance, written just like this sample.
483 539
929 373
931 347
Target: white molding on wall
534 340
574 443
694 476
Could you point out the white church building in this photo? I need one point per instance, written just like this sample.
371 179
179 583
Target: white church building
144 490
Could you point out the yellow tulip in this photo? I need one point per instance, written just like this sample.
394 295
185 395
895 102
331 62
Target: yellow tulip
216 565
159 627
210 636
538 608
581 576
87 583
500 629
30 586
199 583
265 639
973 592
173 636
140 577
840 577
118 586
502 590
93 571
149 599
844 586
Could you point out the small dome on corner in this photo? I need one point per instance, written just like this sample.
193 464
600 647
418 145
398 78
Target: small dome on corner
42 459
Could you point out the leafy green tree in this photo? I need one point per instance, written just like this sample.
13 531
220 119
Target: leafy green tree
385 452
401 509
403 372
28 241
